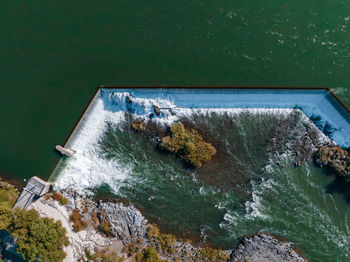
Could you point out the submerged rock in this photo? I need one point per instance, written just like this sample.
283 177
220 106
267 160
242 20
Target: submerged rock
264 247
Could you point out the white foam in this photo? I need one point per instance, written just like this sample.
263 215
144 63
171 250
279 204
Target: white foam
88 169
254 208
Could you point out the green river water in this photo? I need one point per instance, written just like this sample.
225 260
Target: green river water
251 185
54 54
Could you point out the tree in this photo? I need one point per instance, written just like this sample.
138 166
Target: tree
38 238
189 144
6 215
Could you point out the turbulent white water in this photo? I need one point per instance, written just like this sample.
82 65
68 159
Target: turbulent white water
285 200
87 169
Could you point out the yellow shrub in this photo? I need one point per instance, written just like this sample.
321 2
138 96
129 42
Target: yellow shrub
188 144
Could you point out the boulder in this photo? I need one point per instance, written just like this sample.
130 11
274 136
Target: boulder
264 247
127 222
156 110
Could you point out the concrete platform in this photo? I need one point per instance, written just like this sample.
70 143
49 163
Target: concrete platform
34 189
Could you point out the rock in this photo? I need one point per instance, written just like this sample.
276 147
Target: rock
127 222
156 110
128 99
264 247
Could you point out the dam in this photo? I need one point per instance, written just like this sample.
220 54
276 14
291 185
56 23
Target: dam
327 112
255 127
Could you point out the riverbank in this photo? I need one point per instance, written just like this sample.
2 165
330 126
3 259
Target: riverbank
121 230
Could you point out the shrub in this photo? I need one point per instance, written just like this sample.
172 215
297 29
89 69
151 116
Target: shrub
152 231
148 255
114 257
131 249
166 242
94 219
214 255
106 227
138 125
335 158
4 196
8 193
58 197
188 144
76 218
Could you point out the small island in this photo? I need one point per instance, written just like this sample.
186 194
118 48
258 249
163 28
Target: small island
188 144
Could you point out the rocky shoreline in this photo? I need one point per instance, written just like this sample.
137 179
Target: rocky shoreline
265 247
122 229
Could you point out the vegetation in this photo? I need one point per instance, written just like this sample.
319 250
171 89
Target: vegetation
148 255
335 158
166 242
106 227
103 256
131 249
113 257
138 125
188 144
58 197
8 193
152 231
40 239
214 255
77 219
6 215
94 219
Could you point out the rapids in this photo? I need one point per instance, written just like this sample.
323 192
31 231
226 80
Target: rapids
250 185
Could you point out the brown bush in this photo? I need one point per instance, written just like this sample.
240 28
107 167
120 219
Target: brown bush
138 125
58 197
335 158
94 219
131 249
77 219
152 231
